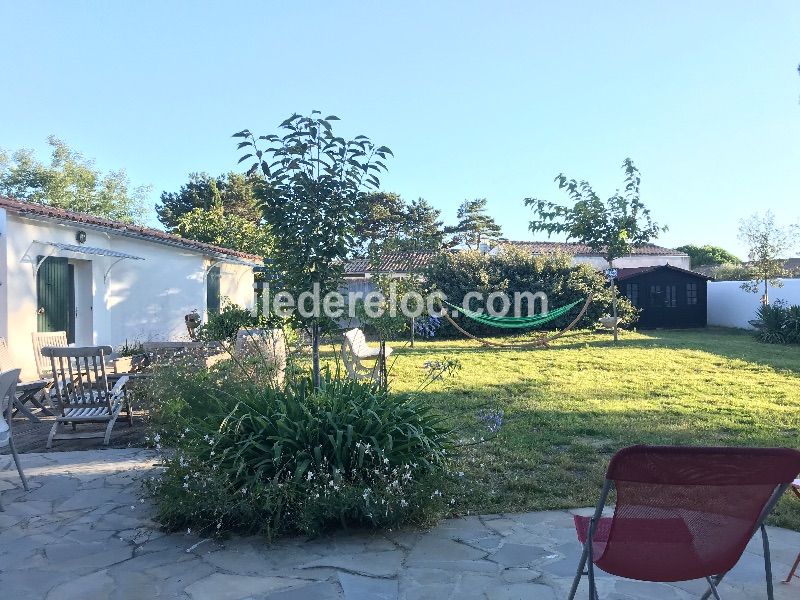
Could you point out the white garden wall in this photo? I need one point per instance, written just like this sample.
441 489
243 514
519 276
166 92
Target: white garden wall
730 306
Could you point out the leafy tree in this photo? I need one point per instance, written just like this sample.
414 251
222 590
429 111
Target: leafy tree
703 256
233 191
387 223
424 228
474 225
216 225
766 243
381 220
314 181
70 182
611 228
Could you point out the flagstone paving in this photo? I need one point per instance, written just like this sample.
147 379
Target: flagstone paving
83 531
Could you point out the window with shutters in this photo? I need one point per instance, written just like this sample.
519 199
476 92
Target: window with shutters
212 290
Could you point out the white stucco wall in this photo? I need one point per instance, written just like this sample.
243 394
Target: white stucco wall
639 260
141 300
730 306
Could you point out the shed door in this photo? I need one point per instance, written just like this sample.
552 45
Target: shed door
55 293
212 290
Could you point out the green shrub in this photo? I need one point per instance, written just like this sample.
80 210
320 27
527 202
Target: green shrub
259 459
514 270
223 325
778 323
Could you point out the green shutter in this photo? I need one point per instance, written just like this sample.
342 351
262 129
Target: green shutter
55 296
212 290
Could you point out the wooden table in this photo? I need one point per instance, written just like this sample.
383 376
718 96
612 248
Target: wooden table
796 490
29 391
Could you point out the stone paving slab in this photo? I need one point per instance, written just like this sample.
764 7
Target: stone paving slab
84 531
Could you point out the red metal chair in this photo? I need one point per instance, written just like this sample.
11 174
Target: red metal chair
683 513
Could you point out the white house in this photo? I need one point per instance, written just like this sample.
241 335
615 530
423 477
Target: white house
646 255
106 282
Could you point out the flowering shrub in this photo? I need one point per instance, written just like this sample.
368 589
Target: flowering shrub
260 459
427 326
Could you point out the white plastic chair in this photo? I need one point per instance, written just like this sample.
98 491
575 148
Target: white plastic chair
8 388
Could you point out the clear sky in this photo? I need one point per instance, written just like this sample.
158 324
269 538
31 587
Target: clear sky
476 99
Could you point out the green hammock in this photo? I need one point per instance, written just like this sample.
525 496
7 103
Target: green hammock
515 322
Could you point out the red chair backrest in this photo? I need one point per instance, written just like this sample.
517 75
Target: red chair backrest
707 501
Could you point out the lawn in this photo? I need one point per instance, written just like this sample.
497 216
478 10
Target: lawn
568 408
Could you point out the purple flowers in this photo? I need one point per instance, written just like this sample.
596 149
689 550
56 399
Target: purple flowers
492 417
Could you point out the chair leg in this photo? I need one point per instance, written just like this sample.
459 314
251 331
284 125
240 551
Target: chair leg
19 466
713 582
767 562
712 587
794 570
578 574
51 436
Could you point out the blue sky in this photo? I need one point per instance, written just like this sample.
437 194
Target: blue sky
476 99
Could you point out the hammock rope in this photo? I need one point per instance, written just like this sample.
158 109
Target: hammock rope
543 341
515 322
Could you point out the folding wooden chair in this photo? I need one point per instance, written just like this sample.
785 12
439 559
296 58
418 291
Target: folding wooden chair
683 513
41 339
81 392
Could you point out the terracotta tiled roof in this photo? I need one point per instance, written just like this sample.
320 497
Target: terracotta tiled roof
48 212
578 249
623 274
391 262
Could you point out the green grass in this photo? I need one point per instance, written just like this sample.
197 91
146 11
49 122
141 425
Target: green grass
570 407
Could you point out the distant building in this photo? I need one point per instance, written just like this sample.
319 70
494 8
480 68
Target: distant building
667 296
106 282
646 255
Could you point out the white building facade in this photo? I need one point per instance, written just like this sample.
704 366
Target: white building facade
105 282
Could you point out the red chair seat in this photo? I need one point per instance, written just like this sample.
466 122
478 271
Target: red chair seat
655 549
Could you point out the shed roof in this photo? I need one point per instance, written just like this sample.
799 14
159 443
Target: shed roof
31 210
623 274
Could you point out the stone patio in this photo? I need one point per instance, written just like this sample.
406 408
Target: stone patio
83 532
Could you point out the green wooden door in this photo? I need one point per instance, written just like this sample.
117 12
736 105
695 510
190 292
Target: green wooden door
212 290
55 292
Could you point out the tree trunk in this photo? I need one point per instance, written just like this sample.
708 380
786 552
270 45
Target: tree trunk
412 331
766 292
614 307
383 375
315 376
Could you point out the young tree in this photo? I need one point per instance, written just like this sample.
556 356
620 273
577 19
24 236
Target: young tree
313 182
474 225
611 228
705 256
233 191
767 243
71 182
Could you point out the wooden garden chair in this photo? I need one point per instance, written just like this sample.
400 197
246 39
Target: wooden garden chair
8 387
683 513
268 345
81 392
42 339
29 391
355 352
